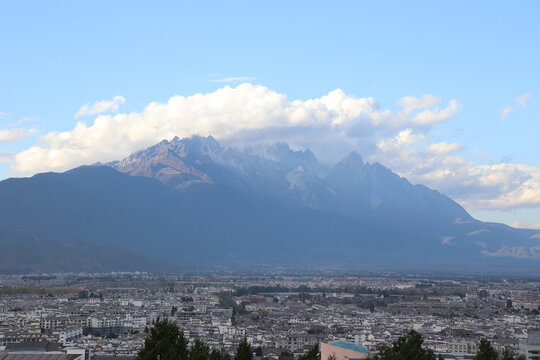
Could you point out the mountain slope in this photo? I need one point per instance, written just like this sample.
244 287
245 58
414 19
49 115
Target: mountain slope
200 226
195 203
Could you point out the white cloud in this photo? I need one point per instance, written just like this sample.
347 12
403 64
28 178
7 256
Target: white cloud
410 103
520 225
14 135
243 113
99 107
505 112
401 142
475 186
234 79
21 121
435 116
448 240
444 148
522 99
330 125
477 232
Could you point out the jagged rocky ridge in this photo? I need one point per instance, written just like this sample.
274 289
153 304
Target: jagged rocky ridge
195 203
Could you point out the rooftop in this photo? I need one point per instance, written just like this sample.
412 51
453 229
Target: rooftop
350 346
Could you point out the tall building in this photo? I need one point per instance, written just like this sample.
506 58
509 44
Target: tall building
462 347
531 346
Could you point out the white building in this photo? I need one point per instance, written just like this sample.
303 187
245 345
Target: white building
531 346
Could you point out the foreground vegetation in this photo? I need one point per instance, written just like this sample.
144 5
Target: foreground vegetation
167 342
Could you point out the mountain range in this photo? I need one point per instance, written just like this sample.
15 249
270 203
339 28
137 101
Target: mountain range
193 203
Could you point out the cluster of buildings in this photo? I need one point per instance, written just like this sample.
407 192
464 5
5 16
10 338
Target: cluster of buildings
110 315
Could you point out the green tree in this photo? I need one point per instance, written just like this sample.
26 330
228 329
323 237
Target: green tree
199 350
507 354
486 351
215 354
286 356
244 351
165 342
312 354
407 347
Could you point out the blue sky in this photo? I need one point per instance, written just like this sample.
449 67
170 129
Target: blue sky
58 56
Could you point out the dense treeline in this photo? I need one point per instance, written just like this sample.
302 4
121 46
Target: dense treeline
357 290
39 290
410 347
167 342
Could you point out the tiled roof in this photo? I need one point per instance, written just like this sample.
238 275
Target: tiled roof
38 356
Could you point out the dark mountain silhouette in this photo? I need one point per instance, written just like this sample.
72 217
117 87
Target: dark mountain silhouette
192 202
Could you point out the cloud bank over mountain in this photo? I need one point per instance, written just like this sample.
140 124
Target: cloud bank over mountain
331 126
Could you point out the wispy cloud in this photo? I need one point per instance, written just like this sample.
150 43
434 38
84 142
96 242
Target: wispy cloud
522 99
233 79
21 121
520 225
99 107
505 112
14 135
448 240
444 148
477 232
410 103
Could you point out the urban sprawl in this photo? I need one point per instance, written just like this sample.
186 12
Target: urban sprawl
100 316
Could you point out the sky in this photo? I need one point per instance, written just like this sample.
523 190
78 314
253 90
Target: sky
445 93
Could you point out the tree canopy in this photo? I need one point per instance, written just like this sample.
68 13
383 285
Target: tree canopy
407 347
244 351
199 350
486 351
312 354
165 342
